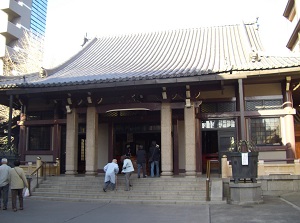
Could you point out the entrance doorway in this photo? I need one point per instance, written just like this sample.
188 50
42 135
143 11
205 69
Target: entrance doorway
63 149
139 135
209 147
81 153
215 143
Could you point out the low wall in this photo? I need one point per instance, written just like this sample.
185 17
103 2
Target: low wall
266 169
273 185
50 168
279 184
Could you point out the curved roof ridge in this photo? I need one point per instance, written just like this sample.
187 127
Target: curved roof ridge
169 30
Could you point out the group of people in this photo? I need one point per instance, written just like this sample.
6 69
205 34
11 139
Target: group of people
153 159
15 179
112 169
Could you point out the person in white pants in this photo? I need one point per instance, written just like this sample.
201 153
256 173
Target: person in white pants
111 170
127 169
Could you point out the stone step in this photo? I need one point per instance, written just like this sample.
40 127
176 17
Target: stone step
160 180
131 201
144 190
122 185
119 182
136 191
121 194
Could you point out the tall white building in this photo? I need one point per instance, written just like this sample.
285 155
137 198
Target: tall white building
17 16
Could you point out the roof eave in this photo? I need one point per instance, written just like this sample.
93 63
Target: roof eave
288 8
166 81
294 36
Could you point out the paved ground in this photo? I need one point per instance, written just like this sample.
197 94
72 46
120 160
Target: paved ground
274 210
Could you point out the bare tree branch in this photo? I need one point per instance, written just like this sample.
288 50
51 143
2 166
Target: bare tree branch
27 57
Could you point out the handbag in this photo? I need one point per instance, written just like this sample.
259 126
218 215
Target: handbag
26 192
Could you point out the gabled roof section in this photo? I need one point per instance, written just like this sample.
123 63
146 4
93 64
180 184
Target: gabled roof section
161 55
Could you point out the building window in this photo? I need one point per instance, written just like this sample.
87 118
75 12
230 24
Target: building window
40 115
271 104
213 107
265 131
39 138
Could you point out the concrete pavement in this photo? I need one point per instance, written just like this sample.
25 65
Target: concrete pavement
274 210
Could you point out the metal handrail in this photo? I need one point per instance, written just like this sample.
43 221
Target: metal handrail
36 171
41 172
207 179
208 170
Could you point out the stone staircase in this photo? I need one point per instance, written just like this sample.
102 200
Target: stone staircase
173 190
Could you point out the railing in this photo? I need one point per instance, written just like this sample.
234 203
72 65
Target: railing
42 169
37 172
51 168
208 173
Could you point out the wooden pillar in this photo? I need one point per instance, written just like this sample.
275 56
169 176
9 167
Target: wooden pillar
190 141
11 98
110 142
198 148
56 141
166 140
56 135
91 141
22 136
176 148
242 111
72 143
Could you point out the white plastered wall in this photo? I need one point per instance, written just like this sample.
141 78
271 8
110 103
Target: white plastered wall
252 90
33 158
227 92
103 145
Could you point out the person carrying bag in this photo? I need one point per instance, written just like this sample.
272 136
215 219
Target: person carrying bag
17 183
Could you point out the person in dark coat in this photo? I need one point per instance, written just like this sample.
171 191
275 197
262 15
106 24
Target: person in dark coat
154 158
141 161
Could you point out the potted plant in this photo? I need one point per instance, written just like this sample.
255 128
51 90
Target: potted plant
244 161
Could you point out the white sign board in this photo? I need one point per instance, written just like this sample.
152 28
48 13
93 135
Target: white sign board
244 159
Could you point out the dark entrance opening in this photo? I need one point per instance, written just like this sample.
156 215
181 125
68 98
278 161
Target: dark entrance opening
81 153
209 147
215 144
63 149
133 136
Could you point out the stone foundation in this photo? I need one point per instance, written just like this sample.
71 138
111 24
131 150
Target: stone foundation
279 184
245 193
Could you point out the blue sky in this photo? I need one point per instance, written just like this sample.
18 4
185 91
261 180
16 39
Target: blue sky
69 20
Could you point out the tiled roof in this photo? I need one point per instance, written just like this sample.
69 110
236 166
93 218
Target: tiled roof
161 55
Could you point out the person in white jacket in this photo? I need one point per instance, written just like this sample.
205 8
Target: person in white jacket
111 170
17 181
127 169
